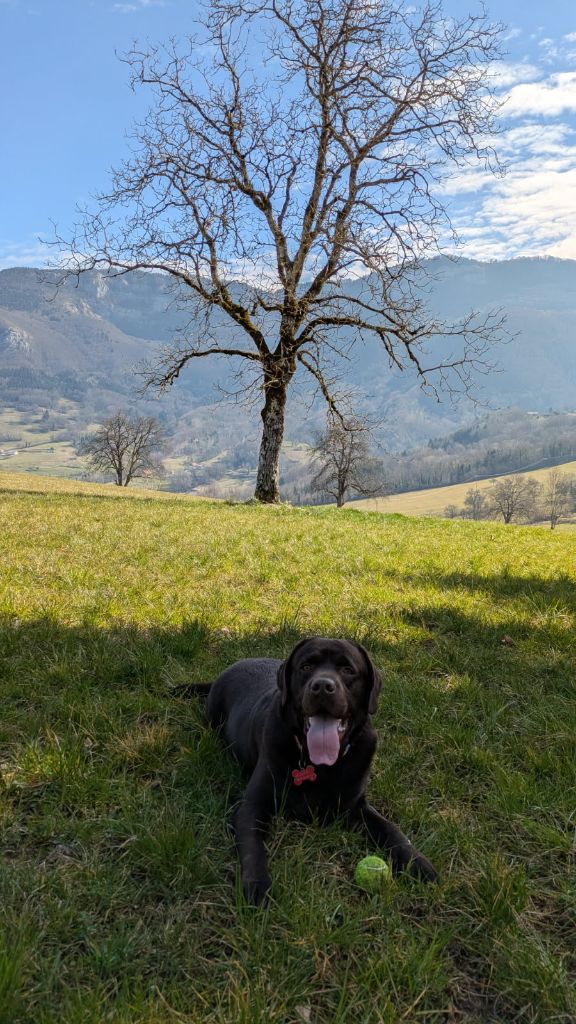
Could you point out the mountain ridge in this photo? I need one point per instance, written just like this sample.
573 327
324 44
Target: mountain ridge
82 344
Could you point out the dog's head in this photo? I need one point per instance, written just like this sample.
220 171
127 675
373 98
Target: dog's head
328 688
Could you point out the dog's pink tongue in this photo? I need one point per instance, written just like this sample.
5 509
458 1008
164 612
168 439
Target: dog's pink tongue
323 739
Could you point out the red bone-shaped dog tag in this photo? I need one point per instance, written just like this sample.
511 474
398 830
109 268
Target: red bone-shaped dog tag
306 774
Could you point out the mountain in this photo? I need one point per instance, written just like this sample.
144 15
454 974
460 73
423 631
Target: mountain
96 331
74 350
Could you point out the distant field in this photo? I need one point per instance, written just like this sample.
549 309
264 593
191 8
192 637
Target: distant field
46 456
117 871
433 502
36 449
35 443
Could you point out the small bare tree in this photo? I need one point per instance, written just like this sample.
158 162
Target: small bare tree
476 505
127 448
294 144
557 497
514 497
347 466
451 512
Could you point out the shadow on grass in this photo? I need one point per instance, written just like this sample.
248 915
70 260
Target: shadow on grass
116 797
543 590
41 659
119 695
89 681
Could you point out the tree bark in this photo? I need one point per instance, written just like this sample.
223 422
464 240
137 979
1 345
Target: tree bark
273 416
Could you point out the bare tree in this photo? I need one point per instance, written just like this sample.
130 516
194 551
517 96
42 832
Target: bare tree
476 505
556 497
294 144
127 448
514 497
346 464
451 512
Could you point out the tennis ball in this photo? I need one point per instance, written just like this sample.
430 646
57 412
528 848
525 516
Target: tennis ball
372 874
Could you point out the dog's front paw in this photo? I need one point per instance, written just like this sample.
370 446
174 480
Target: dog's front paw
420 867
256 890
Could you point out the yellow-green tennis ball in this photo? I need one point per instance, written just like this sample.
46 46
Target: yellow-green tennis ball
372 874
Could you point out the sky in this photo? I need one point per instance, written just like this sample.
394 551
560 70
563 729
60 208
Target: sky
67 106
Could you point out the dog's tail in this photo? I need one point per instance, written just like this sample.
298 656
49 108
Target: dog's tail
192 690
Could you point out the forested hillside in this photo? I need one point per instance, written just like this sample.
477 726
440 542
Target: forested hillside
71 354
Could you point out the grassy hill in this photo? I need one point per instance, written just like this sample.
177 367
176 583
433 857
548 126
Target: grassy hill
117 873
432 502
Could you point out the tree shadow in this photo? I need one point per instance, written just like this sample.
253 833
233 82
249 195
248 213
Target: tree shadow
101 744
504 584
43 660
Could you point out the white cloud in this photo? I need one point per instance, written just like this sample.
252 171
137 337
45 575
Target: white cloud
537 139
30 253
504 74
137 5
550 49
467 180
554 96
533 212
532 209
570 37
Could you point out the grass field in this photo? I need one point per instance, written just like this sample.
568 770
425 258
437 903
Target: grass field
118 881
35 447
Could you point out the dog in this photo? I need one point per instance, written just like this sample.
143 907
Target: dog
302 729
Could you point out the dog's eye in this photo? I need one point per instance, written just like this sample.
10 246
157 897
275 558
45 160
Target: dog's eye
347 670
306 668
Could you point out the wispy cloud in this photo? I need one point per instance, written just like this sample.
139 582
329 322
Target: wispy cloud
551 50
136 5
512 33
504 74
29 253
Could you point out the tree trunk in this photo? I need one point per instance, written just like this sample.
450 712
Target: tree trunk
267 489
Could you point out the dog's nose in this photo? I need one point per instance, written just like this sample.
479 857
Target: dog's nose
323 685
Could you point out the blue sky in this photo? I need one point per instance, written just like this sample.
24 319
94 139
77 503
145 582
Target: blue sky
66 108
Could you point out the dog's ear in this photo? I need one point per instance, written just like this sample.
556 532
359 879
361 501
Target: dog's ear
285 674
283 683
374 679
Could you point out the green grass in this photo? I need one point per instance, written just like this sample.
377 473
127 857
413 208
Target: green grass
118 880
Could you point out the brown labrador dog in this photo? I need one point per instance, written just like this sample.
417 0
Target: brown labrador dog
302 728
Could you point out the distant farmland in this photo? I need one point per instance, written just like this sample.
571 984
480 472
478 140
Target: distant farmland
433 502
